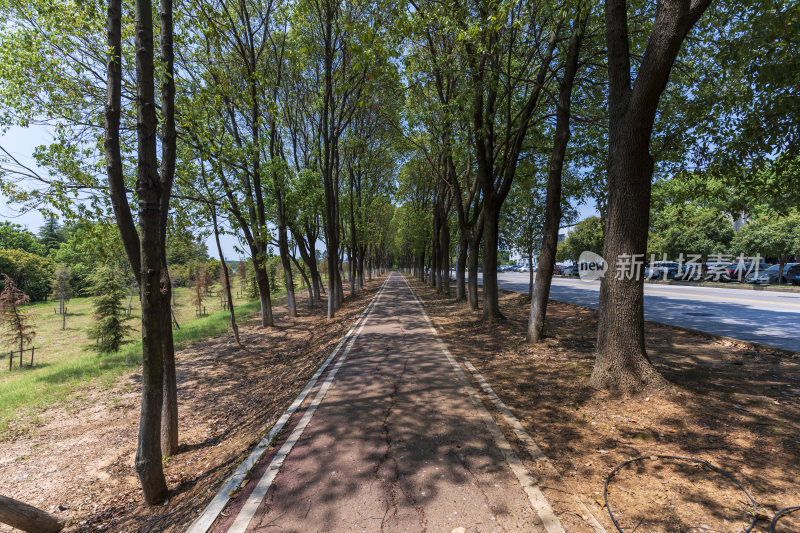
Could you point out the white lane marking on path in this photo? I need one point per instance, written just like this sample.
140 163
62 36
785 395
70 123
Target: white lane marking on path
533 449
256 497
210 514
549 519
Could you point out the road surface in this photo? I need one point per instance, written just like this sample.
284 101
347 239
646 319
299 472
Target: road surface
771 318
396 444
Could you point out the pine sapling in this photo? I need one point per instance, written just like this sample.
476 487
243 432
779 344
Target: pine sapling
18 329
110 328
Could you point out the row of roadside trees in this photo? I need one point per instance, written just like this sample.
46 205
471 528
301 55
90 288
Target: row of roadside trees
302 125
272 121
518 110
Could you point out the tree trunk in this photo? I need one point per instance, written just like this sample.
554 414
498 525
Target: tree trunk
169 409
362 253
226 277
28 518
444 252
622 363
286 262
309 257
530 273
540 292
435 279
491 304
262 282
149 191
472 280
332 248
461 290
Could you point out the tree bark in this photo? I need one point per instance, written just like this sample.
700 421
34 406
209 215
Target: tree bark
491 302
226 280
436 251
540 292
262 281
28 518
472 280
530 273
444 252
149 191
461 264
622 364
169 411
283 247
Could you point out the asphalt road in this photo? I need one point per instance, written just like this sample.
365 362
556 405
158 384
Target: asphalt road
766 317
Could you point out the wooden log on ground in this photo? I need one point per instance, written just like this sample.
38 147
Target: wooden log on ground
27 517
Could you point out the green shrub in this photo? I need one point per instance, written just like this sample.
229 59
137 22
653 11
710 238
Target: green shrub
30 272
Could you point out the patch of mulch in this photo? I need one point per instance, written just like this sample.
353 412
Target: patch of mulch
79 462
732 404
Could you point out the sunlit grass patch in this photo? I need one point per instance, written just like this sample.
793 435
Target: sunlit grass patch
66 363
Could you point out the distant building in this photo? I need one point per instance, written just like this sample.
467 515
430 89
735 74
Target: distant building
563 232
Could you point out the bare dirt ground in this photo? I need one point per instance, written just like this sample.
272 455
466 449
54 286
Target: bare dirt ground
78 463
732 404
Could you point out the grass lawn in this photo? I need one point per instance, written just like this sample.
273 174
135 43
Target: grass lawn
65 361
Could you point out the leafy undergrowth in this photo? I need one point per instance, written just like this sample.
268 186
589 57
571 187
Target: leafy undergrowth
734 405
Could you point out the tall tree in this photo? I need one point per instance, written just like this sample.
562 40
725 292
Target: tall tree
540 292
146 248
509 65
51 234
230 122
622 363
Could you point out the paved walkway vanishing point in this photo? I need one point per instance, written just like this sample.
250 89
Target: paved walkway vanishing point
398 443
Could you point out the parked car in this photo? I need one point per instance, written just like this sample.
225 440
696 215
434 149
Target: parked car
739 271
691 272
770 275
792 274
714 271
524 268
657 269
558 270
571 270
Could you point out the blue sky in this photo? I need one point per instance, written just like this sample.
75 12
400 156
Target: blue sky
21 143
